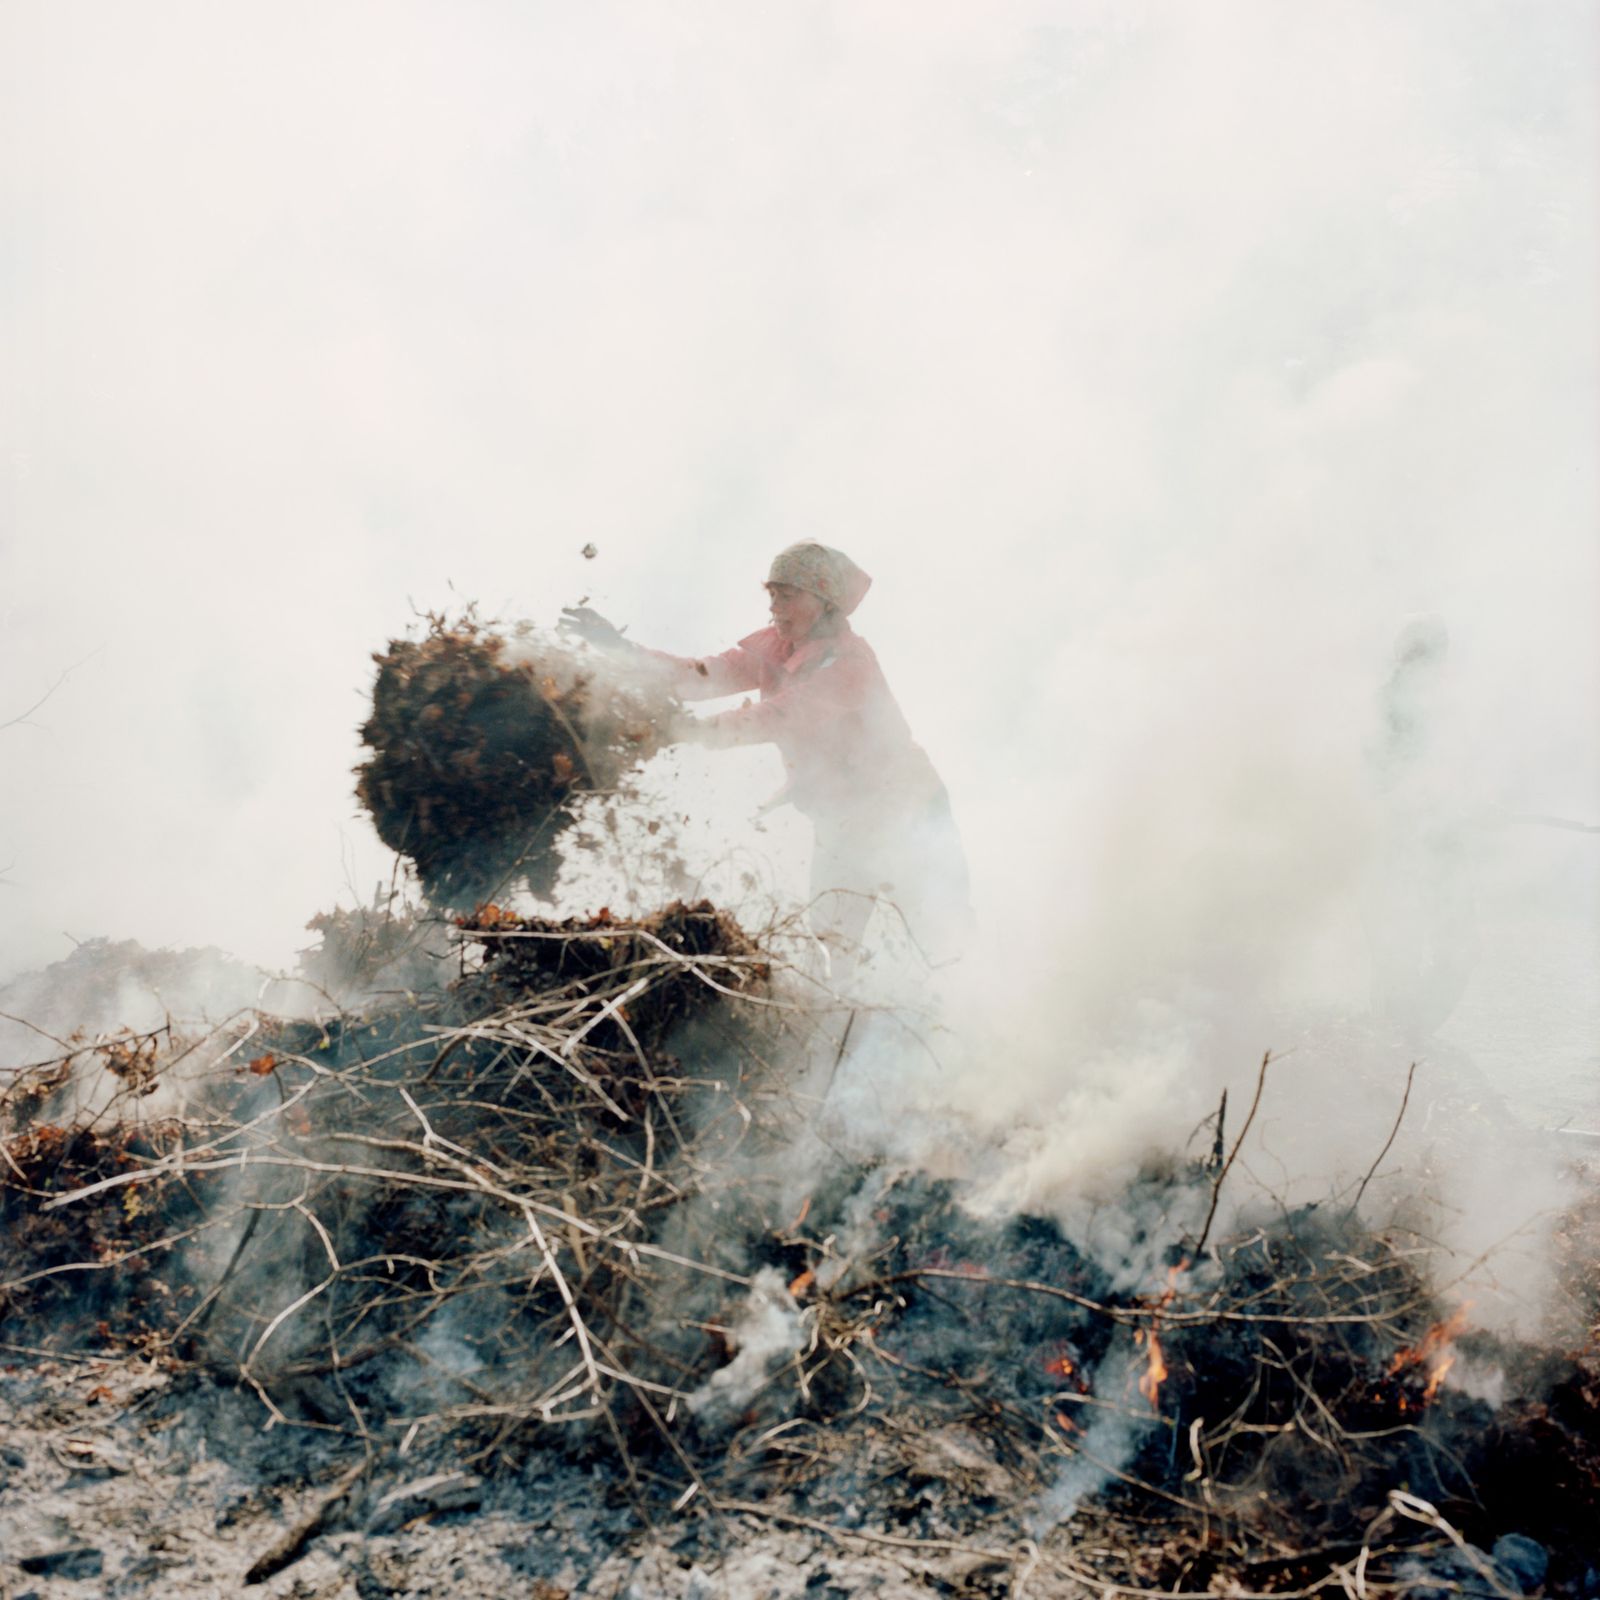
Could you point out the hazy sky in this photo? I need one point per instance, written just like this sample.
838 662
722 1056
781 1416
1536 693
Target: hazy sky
1156 359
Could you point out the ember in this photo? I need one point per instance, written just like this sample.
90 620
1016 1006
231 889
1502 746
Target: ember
1062 1364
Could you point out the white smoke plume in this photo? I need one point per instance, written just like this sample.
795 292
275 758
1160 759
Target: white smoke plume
1159 363
770 1329
1113 1432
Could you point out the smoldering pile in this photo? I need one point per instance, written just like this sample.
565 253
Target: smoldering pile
535 1091
482 741
541 1220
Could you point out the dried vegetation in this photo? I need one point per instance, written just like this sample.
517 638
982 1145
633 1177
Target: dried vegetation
545 1209
481 743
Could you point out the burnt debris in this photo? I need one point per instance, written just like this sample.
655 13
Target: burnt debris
539 1227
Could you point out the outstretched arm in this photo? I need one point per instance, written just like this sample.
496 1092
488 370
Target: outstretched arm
805 708
689 677
707 677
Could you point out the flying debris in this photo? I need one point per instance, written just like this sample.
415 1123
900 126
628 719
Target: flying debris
482 743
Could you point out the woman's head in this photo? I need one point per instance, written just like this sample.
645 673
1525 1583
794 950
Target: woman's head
808 582
796 612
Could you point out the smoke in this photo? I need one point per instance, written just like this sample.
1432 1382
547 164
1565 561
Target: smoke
770 1329
1107 1445
105 989
1158 365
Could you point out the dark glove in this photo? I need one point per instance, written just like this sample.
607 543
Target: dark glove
592 627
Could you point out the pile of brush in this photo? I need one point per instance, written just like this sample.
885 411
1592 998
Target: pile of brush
483 741
100 1268
559 1206
482 1170
639 977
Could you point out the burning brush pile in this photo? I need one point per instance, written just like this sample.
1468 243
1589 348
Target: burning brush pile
481 744
522 1288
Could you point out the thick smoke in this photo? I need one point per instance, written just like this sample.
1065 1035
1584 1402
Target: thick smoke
1161 366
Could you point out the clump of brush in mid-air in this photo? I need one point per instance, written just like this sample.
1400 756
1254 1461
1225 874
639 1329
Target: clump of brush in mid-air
482 741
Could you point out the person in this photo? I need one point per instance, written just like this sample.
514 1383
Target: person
881 816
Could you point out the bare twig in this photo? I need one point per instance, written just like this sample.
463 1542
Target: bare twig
1227 1166
22 717
294 1538
1405 1100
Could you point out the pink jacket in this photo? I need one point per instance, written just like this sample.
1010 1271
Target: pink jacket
826 705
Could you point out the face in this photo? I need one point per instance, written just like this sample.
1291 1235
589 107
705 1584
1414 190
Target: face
795 612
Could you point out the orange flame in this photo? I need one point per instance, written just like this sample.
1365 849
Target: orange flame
802 1283
1436 1377
1155 1372
1434 1351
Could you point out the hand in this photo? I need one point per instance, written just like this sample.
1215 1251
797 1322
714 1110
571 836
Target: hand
592 627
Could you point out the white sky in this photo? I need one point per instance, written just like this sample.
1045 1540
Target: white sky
1156 360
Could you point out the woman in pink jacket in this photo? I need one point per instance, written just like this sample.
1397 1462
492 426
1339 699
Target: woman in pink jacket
881 815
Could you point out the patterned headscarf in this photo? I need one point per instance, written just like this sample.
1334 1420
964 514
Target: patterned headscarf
829 574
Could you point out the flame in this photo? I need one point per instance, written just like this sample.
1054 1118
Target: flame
802 1283
1436 1339
1435 1351
1437 1376
1155 1372
1066 1424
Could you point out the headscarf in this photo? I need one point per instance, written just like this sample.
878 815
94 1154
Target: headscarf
829 574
